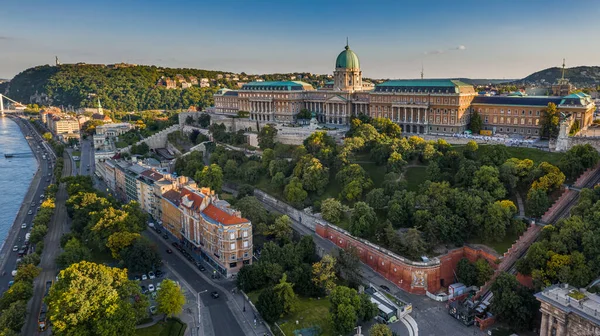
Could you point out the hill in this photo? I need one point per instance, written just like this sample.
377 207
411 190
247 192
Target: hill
581 77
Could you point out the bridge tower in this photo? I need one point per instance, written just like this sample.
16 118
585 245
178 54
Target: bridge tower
1 105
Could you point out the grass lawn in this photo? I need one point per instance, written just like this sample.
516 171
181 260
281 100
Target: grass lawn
501 246
377 173
536 155
170 328
309 312
415 176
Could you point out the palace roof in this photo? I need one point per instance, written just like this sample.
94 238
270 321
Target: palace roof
517 100
422 86
347 59
278 86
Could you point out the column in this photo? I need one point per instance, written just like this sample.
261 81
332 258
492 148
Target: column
561 330
405 120
544 325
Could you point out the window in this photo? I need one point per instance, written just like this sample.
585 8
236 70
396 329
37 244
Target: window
508 120
231 265
245 234
523 112
233 257
508 112
232 246
501 111
495 120
537 122
537 113
231 235
530 112
486 120
246 244
522 121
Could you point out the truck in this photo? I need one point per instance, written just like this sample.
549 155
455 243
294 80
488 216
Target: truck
42 316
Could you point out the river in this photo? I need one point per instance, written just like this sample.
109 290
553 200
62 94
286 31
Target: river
15 173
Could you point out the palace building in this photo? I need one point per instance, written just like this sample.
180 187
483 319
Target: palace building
420 106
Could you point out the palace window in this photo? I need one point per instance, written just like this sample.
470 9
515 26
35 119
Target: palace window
537 122
516 121
495 120
523 112
501 111
486 120
508 112
508 120
530 112
537 113
522 121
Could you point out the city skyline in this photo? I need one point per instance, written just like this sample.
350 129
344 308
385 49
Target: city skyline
508 40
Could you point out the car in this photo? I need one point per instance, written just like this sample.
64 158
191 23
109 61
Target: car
24 226
137 278
158 286
144 277
29 212
153 310
41 201
151 287
384 287
175 245
151 275
33 204
169 251
49 174
166 236
15 248
144 289
197 263
190 258
201 268
38 209
47 180
158 231
215 294
159 273
10 283
42 196
14 273
22 252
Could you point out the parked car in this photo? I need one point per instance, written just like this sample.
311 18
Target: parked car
175 245
144 277
15 248
384 287
29 212
169 251
214 294
151 275
153 310
137 278
201 268
159 273
158 231
151 287
144 289
24 226
166 236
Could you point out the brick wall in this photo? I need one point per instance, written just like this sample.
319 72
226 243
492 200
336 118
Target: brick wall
411 276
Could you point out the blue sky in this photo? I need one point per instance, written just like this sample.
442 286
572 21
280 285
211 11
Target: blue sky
477 39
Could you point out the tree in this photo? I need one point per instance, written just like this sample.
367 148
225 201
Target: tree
47 136
267 156
285 293
512 302
314 175
471 149
499 216
377 199
231 169
74 252
269 305
380 330
332 210
118 241
362 220
577 159
466 272
537 202
252 209
14 317
476 123
19 291
142 256
204 120
487 179
347 265
304 114
282 229
211 177
324 273
27 272
93 299
266 137
414 243
484 271
395 162
141 149
170 298
321 145
294 192
549 121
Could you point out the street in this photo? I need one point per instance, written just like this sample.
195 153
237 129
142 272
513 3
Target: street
58 226
86 162
16 235
222 319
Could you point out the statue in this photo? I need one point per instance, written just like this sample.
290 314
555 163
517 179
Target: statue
314 123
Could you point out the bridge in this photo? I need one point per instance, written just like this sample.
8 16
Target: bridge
17 107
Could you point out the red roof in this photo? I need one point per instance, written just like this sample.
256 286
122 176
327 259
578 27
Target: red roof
222 216
173 196
194 197
152 174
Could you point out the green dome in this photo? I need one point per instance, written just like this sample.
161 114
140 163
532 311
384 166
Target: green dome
347 59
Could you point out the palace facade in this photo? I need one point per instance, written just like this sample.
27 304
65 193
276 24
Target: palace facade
419 106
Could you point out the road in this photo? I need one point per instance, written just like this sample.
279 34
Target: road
16 235
58 226
86 163
222 318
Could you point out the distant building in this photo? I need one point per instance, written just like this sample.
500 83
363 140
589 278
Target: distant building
562 87
185 85
567 311
204 82
226 101
180 78
167 82
193 80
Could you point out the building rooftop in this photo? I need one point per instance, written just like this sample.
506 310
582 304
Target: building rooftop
564 297
173 196
136 169
278 86
152 175
422 86
222 216
517 100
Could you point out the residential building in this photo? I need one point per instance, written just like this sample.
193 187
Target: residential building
162 186
145 189
209 227
113 130
120 180
567 311
109 166
131 187
204 82
185 85
63 126
420 106
194 80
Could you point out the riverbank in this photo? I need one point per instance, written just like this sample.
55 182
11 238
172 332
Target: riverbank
5 249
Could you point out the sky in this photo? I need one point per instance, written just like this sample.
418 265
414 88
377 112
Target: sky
476 39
